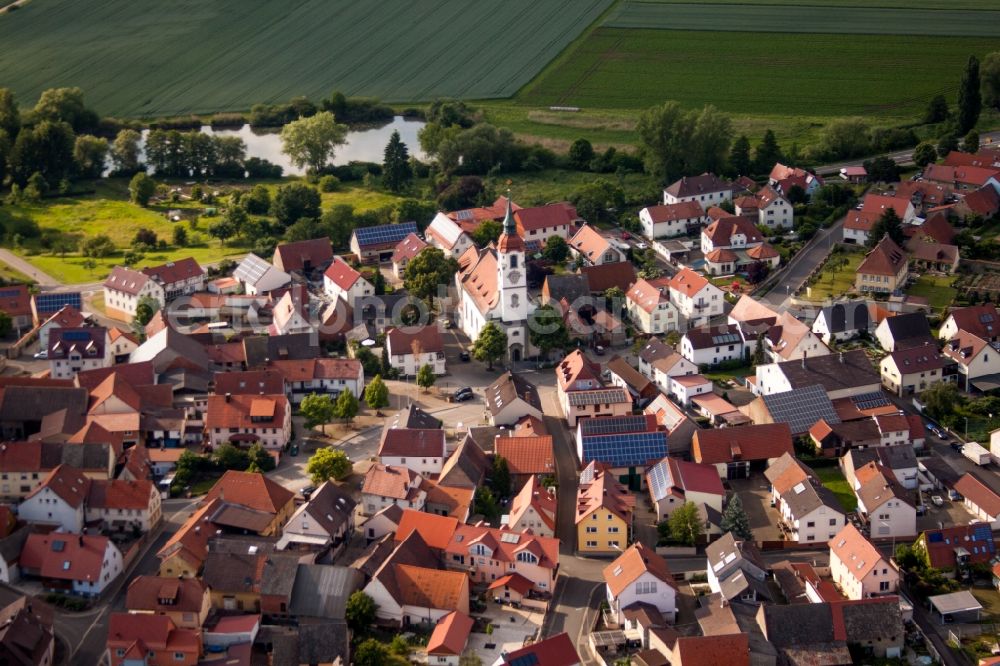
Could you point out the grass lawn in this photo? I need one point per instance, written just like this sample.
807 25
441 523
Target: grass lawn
832 478
71 270
737 374
835 280
11 275
202 486
989 598
904 4
936 289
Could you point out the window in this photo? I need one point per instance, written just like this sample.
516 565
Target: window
178 656
591 544
883 586
614 544
645 587
811 523
833 521
513 261
613 530
591 530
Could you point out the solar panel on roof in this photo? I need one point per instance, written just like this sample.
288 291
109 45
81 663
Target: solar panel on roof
985 318
615 424
659 479
465 215
984 533
251 269
386 233
625 450
870 400
530 659
725 339
801 409
76 336
10 293
593 397
55 302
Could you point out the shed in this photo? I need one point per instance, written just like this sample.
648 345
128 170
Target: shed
956 607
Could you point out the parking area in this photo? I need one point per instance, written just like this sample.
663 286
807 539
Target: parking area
949 513
755 494
511 628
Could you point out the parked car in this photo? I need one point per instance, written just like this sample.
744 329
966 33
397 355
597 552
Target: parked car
957 446
42 355
954 496
463 394
464 355
626 235
936 500
307 491
641 246
448 323
599 350
294 451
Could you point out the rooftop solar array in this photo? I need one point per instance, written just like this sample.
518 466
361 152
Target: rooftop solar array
530 659
76 336
871 400
384 234
984 533
57 301
625 450
10 293
606 425
577 398
726 339
251 269
985 318
802 408
659 479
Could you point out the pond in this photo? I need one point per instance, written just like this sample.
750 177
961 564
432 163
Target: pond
363 144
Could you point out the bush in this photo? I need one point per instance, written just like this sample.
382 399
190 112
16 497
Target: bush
329 183
228 120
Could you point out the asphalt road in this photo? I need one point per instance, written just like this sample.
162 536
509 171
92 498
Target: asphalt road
902 157
802 264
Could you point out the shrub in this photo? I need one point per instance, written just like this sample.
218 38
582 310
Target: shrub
329 184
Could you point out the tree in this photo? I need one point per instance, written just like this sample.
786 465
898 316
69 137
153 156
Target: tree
547 330
924 154
318 410
257 201
970 101
236 217
141 189
739 157
36 187
888 224
767 153
675 141
146 237
396 170
372 653
360 611
98 247
490 346
46 148
294 201
500 477
487 232
940 399
229 456
426 377
937 110
686 524
882 169
221 229
260 459
970 144
759 356
556 249
90 153
427 271
947 143
10 115
597 201
989 72
845 138
65 105
346 406
310 142
581 153
377 393
485 503
144 310
735 519
6 324
328 464
180 236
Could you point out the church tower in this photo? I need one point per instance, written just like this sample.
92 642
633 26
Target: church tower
512 280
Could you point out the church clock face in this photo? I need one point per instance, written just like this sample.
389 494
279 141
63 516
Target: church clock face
514 276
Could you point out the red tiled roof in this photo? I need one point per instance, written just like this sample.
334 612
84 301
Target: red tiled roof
684 210
689 186
526 455
984 201
557 650
450 634
412 442
855 551
126 280
577 367
976 539
965 175
648 295
634 562
436 531
174 271
688 282
601 490
751 442
401 340
15 300
153 593
729 649
120 494
723 229
590 243
293 256
49 553
69 484
544 217
886 258
408 248
252 490
430 588
341 274
979 320
235 411
390 481
619 274
250 382
978 493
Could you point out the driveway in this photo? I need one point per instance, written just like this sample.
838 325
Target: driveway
756 497
794 275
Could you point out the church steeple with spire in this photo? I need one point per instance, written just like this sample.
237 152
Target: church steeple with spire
509 240
512 280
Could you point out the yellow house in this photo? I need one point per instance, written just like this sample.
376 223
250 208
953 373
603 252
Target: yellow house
604 510
883 270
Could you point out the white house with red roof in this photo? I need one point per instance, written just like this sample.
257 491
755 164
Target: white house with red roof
423 450
649 306
135 639
555 651
60 501
672 482
123 290
707 189
858 568
15 300
640 576
537 223
75 563
412 347
121 505
594 248
246 419
488 554
667 220
386 485
449 638
533 508
66 317
303 256
859 222
320 375
733 232
177 278
74 350
770 207
341 281
697 299
404 253
448 236
784 178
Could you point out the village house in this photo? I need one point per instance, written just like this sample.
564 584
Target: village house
733 232
736 570
951 549
376 244
323 523
71 563
859 222
981 500
185 601
711 345
639 576
697 299
303 257
177 278
73 350
138 639
318 375
510 398
123 290
120 505
385 486
706 189
624 445
67 317
341 281
247 419
963 178
405 251
735 450
421 450
15 300
841 375
974 358
673 482
621 374
884 503
582 393
883 270
770 208
911 371
556 650
904 331
533 508
449 638
672 219
604 512
411 348
980 320
858 568
900 460
527 455
448 236
649 306
784 178
594 248
537 224
811 511
259 276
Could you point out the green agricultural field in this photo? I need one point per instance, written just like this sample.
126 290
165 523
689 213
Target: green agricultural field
899 4
811 19
812 75
155 58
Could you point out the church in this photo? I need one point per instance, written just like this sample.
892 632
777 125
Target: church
493 286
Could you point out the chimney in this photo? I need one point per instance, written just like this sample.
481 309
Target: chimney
81 540
229 396
804 354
